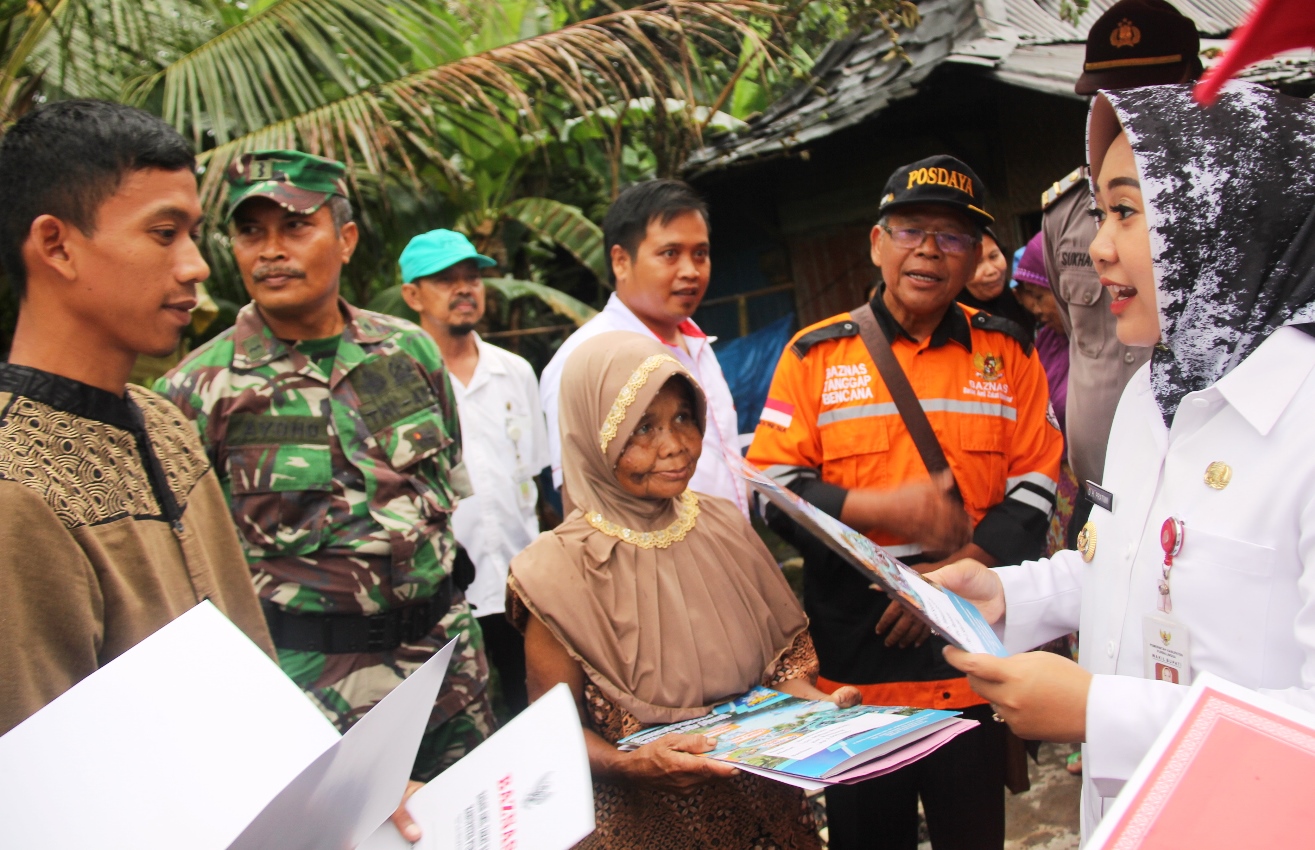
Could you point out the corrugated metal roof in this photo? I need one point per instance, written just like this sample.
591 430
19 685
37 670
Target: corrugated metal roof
1021 42
1039 21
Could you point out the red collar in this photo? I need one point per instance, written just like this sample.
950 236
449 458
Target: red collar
688 328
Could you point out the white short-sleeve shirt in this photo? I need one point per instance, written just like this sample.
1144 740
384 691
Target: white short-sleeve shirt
712 475
504 445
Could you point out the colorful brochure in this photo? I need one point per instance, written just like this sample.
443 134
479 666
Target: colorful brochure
1232 769
783 736
948 614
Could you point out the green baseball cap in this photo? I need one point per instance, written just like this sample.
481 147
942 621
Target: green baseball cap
432 252
298 182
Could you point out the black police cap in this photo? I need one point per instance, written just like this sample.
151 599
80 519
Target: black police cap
1139 43
940 180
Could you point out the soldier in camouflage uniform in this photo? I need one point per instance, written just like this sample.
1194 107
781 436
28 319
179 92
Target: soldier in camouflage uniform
335 434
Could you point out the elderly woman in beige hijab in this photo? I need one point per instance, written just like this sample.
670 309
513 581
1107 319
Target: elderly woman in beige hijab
654 603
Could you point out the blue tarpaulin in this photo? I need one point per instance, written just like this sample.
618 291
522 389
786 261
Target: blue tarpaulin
749 363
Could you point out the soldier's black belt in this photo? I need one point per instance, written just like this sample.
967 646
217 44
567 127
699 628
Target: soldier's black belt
341 633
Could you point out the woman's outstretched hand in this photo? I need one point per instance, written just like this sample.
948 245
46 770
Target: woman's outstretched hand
672 763
846 696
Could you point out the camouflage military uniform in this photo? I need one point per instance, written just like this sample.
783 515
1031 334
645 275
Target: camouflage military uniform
341 461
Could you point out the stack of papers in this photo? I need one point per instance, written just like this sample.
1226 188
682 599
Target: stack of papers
811 744
195 738
948 614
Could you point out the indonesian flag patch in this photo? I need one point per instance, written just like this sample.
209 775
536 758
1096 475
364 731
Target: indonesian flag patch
778 413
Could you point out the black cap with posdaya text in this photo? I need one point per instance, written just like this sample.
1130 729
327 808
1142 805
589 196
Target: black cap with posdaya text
940 180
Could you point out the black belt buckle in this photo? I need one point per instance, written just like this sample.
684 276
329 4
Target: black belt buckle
378 637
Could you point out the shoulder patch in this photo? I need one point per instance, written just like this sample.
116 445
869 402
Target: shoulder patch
839 330
999 324
1063 186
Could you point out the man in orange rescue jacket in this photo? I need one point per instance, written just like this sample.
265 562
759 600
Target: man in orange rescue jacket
832 434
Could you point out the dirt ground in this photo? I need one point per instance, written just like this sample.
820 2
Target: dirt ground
1046 817
1043 818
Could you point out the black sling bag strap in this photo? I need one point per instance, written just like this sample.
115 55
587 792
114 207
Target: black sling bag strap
906 401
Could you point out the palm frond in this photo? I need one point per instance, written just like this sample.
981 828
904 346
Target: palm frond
589 65
293 57
85 48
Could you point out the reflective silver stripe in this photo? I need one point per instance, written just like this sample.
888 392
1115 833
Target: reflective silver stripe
840 414
1045 482
903 551
954 405
931 405
1033 500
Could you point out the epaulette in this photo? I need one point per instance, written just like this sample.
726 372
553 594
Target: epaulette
1063 185
986 322
812 338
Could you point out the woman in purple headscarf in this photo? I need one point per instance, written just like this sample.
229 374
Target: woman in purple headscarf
1032 288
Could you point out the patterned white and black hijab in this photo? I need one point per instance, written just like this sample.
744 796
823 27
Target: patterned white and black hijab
1229 192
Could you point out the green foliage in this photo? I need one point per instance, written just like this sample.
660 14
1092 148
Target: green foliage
564 225
560 303
1073 10
514 121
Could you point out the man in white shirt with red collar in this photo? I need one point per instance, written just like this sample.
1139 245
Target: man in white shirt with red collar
656 234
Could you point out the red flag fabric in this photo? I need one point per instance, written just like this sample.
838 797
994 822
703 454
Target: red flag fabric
1273 27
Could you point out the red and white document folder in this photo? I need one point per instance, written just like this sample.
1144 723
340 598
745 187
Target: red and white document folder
1233 769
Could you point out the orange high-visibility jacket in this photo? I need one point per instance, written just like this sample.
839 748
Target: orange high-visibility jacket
830 425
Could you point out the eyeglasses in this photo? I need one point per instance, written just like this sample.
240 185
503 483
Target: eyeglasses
947 241
452 278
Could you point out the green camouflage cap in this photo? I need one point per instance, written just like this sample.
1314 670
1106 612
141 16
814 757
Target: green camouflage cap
298 182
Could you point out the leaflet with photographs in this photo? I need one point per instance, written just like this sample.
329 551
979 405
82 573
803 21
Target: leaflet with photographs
782 737
950 615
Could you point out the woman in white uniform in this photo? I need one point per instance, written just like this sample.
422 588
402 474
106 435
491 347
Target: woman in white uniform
1203 556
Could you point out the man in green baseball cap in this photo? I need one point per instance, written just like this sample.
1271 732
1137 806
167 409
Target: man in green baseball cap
335 434
441 281
504 436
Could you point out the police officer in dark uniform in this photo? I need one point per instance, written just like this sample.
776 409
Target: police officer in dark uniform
1135 43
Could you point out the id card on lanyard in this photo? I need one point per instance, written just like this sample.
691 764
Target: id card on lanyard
1167 643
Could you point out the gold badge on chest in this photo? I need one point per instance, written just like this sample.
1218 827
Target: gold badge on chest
1087 542
1218 474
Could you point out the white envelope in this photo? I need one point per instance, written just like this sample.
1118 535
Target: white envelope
527 787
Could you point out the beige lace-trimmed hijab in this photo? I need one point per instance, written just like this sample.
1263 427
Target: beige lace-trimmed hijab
670 605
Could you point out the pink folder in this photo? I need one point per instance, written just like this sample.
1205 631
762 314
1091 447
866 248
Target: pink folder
1234 770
